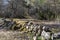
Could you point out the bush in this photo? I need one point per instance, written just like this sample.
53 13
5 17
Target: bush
46 15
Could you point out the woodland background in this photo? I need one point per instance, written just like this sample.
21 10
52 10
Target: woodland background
30 9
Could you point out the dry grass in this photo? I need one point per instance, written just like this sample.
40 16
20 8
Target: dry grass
12 35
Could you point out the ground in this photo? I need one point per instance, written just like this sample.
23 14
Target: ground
12 35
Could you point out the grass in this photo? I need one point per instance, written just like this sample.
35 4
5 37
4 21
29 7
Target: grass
39 38
12 35
16 35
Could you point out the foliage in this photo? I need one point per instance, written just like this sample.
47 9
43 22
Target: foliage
20 9
46 15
